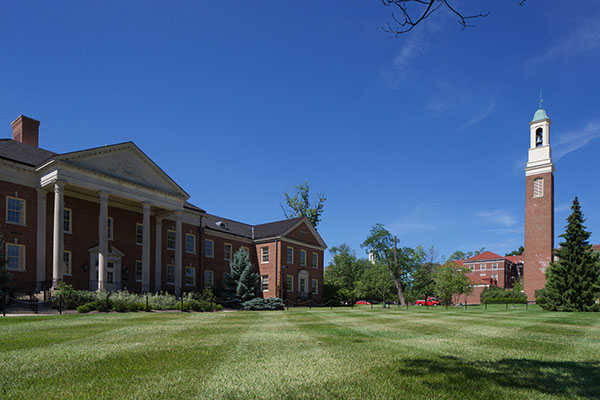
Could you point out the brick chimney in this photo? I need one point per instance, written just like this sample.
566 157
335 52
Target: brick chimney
26 130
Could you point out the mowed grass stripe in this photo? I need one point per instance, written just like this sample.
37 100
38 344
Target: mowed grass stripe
305 354
121 361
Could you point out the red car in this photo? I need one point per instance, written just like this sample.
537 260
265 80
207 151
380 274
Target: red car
363 302
431 301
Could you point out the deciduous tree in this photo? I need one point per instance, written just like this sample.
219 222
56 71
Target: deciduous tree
400 263
299 205
451 281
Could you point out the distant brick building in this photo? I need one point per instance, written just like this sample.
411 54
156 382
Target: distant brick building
490 269
109 217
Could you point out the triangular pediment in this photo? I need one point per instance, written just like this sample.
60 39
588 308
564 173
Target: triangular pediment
124 161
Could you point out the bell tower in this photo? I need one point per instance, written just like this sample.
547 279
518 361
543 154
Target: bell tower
539 205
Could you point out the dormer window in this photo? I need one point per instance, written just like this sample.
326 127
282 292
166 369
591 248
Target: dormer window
222 225
539 137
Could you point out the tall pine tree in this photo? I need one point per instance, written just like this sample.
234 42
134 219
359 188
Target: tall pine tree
242 282
573 281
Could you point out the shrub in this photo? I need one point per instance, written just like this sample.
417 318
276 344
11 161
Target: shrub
272 303
162 301
489 294
506 300
123 301
86 308
182 306
219 307
70 297
101 305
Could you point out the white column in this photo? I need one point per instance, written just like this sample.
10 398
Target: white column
58 237
40 251
158 255
178 252
103 239
146 248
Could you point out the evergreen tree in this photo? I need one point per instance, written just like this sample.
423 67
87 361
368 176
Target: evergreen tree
573 281
242 282
5 276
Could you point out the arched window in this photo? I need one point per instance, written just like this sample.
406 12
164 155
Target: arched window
539 137
538 187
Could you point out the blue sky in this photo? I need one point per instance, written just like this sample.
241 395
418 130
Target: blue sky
241 100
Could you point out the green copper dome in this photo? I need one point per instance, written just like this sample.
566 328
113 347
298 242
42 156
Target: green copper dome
539 115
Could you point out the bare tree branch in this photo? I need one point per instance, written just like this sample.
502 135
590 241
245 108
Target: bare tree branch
413 12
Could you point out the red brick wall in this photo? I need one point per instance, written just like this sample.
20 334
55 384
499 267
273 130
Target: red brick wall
25 280
539 234
294 268
218 264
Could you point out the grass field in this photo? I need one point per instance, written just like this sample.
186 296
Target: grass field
301 354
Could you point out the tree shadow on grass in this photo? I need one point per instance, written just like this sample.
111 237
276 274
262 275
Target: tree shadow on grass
451 374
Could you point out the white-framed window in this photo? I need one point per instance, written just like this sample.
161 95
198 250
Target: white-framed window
482 267
264 282
15 210
67 257
190 243
315 260
67 220
264 255
110 225
484 274
227 252
303 258
139 234
209 248
190 276
171 240
138 270
495 276
315 286
109 277
538 187
289 283
208 279
472 267
290 255
170 274
495 266
15 257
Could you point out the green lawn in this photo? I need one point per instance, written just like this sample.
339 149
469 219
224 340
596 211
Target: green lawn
306 354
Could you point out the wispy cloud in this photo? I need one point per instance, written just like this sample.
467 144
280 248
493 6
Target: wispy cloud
498 217
416 220
575 139
400 69
480 116
584 39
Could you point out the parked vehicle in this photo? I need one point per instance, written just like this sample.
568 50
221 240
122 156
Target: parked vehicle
363 302
431 301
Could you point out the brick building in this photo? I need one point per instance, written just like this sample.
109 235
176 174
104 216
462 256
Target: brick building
109 217
490 269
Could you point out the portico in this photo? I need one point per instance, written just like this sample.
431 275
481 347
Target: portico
123 179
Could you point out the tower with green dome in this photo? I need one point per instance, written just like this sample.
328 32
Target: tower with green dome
539 205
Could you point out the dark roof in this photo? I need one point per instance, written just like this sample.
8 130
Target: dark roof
190 206
261 231
274 228
228 226
23 153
